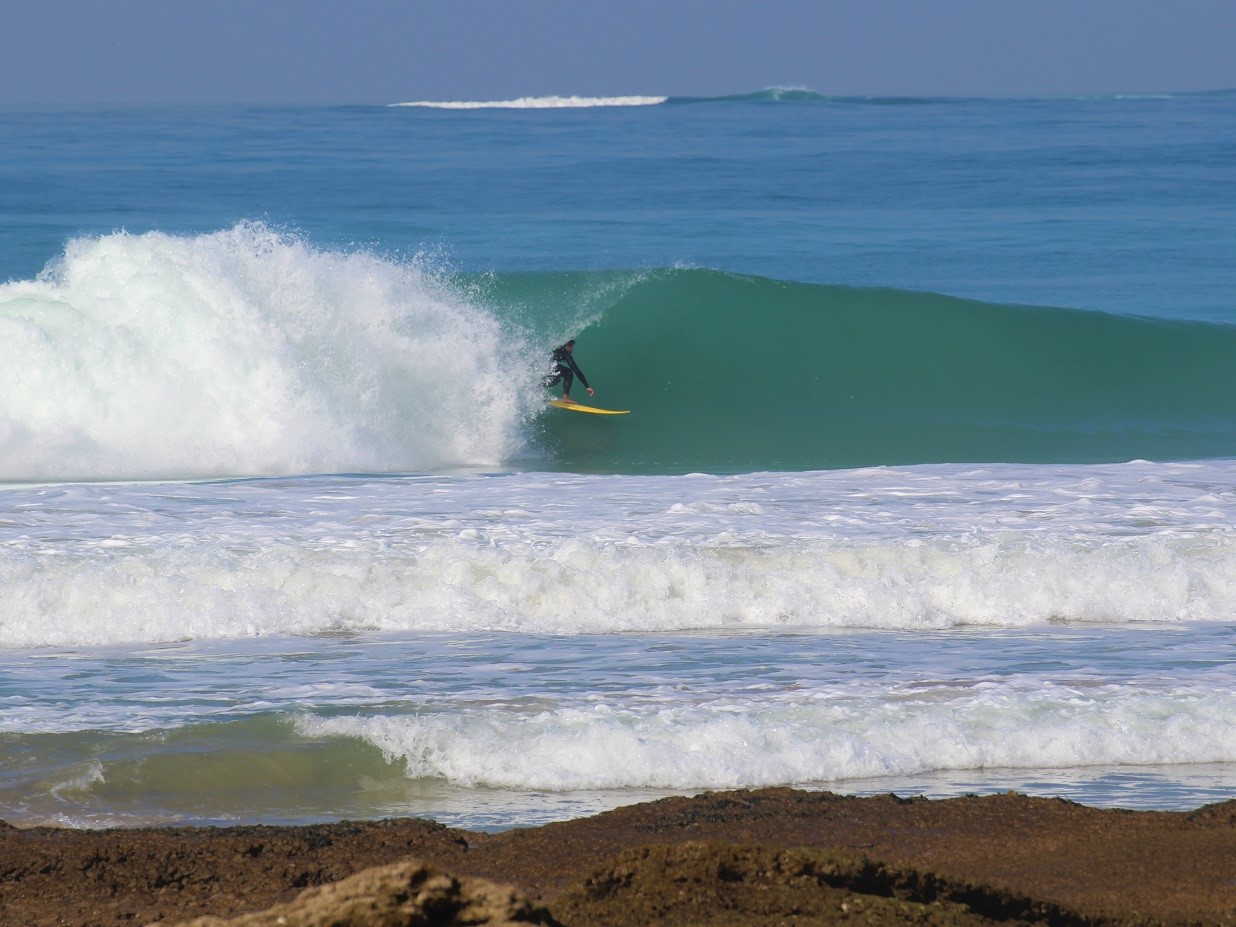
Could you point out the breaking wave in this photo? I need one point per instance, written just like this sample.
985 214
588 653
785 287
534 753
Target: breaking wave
248 351
572 102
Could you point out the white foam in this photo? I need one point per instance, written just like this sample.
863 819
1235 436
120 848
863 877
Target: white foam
207 591
551 102
248 352
89 775
806 737
911 549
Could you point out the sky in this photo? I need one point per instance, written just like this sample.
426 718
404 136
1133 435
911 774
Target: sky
55 52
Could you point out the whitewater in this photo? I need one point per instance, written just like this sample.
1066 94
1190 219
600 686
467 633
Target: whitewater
247 352
927 484
573 102
459 644
897 549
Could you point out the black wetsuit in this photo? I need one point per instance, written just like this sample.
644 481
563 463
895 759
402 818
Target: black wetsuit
563 368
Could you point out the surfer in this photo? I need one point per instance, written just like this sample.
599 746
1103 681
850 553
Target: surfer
563 367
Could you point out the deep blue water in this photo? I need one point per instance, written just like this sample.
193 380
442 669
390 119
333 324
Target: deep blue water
1119 204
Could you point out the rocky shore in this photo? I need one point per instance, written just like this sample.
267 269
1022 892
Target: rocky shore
775 856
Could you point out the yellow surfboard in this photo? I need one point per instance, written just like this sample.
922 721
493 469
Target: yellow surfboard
576 407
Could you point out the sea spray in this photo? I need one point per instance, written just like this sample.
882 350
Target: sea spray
247 352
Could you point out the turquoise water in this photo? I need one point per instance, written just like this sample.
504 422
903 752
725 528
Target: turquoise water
927 483
747 373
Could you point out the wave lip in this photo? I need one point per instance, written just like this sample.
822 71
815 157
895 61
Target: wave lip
550 102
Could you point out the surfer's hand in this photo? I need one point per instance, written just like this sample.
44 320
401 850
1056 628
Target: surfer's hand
591 391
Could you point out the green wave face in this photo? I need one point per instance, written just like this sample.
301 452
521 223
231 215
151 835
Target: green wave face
728 373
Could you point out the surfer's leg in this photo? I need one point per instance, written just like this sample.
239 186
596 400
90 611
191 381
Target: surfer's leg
567 379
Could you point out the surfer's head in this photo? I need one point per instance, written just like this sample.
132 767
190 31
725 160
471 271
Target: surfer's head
570 345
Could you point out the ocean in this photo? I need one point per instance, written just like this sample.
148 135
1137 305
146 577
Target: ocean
927 484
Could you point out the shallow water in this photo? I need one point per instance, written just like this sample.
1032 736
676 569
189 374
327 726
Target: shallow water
507 648
490 730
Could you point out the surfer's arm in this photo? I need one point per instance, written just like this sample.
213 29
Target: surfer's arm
579 373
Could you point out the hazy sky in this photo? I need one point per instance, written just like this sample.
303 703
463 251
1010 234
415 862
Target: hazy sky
381 51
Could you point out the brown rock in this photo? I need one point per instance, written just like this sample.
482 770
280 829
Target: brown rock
407 894
722 885
1105 866
61 877
1109 865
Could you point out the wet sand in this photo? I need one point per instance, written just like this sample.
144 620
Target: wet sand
775 856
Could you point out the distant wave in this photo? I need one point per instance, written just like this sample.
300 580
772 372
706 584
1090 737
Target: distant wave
767 95
806 95
572 102
781 95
